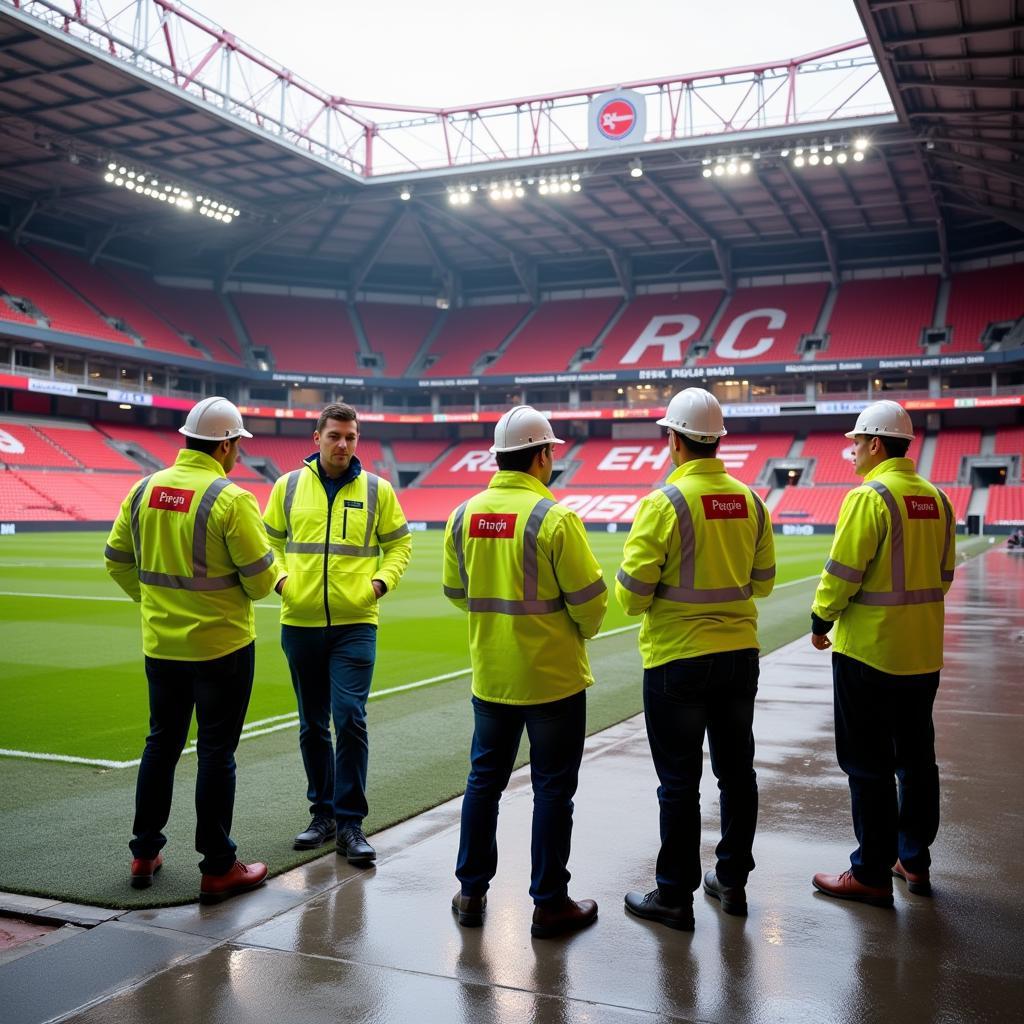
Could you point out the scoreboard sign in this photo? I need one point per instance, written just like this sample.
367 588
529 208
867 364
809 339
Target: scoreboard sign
617 117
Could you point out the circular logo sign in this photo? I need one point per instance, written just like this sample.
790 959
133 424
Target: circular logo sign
616 119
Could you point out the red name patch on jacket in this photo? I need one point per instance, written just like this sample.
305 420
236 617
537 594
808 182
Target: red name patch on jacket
724 506
493 524
921 507
171 499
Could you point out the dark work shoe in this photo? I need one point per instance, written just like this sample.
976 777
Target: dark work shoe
918 882
352 845
846 887
732 897
241 878
570 916
469 909
651 908
143 870
321 830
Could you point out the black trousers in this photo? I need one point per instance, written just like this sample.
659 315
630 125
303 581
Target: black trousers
682 700
219 692
885 736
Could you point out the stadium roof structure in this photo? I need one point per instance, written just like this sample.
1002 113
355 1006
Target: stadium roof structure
319 180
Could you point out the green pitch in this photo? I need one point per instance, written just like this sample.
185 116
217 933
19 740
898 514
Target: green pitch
73 683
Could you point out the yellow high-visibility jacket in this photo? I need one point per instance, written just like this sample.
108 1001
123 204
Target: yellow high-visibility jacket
521 566
331 552
700 549
189 545
888 572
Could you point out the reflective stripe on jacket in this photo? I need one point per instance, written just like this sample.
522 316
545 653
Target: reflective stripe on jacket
520 564
889 569
700 549
189 545
331 551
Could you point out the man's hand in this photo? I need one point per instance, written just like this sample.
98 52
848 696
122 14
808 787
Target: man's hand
379 588
279 586
821 643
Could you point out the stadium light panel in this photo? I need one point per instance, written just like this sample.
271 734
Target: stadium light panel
731 168
798 161
784 153
860 143
405 194
827 160
543 190
719 170
813 159
706 172
577 187
745 167
840 158
858 156
636 169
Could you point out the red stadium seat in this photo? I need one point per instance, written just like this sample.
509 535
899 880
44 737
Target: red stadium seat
656 331
467 334
950 448
395 333
978 298
469 463
833 455
1010 440
881 317
89 447
812 505
1005 506
418 452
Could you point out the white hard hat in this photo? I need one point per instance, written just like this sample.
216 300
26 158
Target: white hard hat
884 419
695 413
214 419
522 427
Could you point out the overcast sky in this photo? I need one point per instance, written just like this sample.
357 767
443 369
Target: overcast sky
452 52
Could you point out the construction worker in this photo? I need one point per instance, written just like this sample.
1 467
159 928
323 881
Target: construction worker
190 547
884 583
341 543
520 565
700 549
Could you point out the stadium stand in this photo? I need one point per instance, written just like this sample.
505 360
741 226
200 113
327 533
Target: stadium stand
23 445
22 276
21 503
745 455
14 316
467 334
553 335
395 333
978 298
800 306
881 317
604 462
189 310
469 463
829 450
638 321
813 505
959 498
432 504
305 335
287 453
950 448
1010 440
89 447
1005 506
114 299
418 452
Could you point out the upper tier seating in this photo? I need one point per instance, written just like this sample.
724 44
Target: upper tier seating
881 317
656 330
1005 506
395 333
13 316
23 445
305 335
467 334
22 276
978 298
783 314
191 310
553 335
950 447
114 299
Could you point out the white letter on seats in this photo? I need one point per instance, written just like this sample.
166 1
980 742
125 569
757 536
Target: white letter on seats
726 348
476 462
671 345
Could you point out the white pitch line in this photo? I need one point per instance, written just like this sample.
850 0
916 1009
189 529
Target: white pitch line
264 726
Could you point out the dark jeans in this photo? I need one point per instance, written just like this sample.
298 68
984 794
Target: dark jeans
219 691
332 669
884 729
682 699
557 731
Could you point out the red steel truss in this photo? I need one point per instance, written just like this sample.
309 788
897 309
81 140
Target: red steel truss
186 53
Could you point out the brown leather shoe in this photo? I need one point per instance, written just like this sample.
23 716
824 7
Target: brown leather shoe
846 887
241 878
469 909
570 916
918 882
143 870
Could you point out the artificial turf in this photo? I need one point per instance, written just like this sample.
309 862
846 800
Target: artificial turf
89 696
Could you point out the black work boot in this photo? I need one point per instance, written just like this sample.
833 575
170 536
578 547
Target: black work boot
352 845
651 907
321 830
732 897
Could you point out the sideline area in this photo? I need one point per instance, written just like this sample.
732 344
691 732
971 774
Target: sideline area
325 942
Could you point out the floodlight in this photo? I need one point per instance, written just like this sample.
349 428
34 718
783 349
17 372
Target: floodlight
706 173
827 161
542 189
108 178
745 167
731 168
840 158
719 170
813 160
860 143
636 169
784 153
405 195
575 176
520 191
858 156
565 186
577 187
798 161
111 167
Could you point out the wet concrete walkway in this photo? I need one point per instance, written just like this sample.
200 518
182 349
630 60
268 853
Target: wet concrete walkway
328 943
